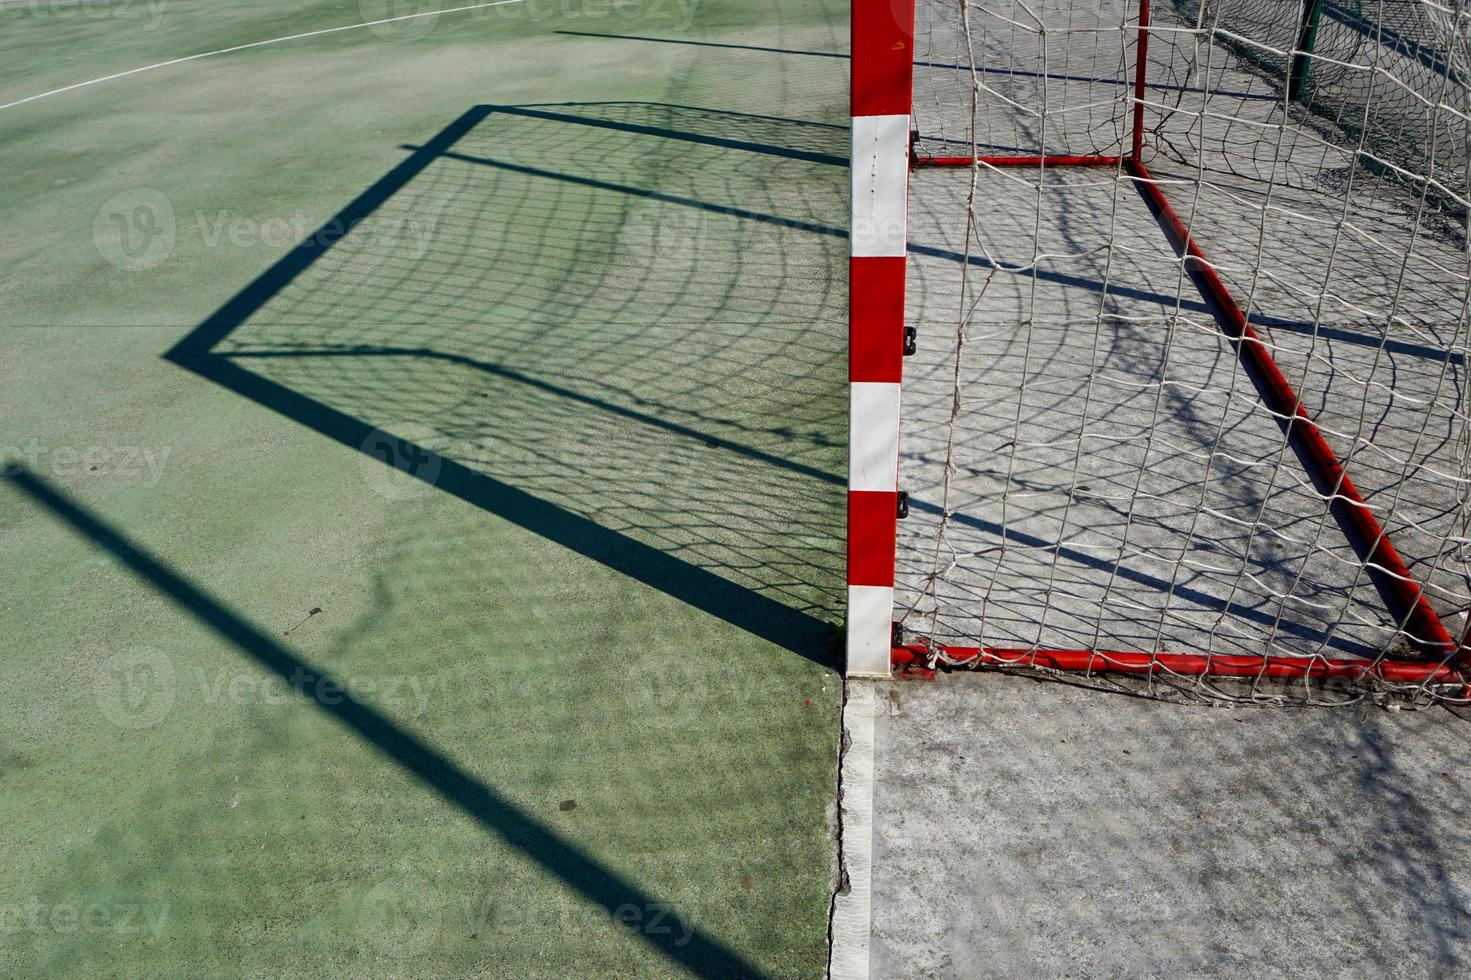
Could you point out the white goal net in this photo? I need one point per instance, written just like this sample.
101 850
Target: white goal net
1191 367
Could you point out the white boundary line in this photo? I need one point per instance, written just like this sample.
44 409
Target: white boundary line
253 44
851 926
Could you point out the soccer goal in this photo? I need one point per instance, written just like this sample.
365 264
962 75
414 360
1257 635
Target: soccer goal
1159 335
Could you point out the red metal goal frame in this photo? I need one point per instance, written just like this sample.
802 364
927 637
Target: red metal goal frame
882 78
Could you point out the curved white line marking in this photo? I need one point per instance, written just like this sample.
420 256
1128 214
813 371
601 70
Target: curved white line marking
253 44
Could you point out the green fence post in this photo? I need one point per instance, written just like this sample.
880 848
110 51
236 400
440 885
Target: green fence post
1307 36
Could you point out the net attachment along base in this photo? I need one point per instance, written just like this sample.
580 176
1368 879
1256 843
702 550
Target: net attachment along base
920 157
1447 682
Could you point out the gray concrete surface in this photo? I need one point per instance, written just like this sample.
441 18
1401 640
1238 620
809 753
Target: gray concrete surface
1032 829
1090 467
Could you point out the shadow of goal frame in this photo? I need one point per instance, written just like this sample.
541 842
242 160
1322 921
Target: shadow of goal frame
1429 654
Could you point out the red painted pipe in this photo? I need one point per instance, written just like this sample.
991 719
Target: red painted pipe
1049 160
1404 596
1189 664
1141 63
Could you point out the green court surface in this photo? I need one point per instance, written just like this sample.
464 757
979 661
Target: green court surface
422 539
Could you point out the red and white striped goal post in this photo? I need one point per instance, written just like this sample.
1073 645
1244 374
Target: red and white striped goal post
882 68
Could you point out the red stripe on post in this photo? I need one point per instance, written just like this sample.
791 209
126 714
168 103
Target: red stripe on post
876 318
883 57
872 523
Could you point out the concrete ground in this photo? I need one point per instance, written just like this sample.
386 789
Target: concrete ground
491 367
1035 829
1090 468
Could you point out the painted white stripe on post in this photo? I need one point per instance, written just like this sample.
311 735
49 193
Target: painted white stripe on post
873 436
880 173
870 630
852 906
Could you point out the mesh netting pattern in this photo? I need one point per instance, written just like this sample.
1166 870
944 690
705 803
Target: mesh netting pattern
515 309
1387 74
1091 465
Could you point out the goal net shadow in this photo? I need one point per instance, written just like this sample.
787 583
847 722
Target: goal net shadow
600 321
